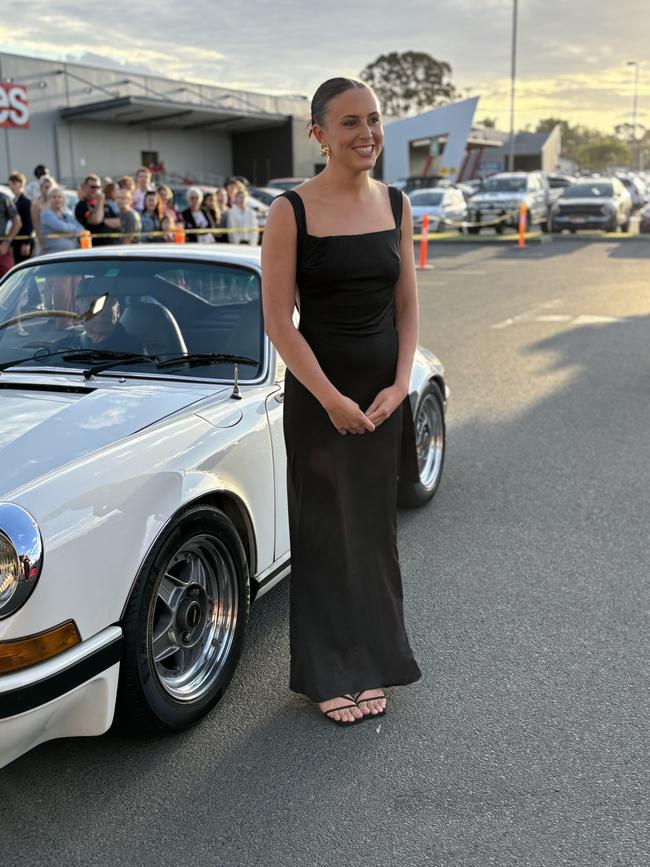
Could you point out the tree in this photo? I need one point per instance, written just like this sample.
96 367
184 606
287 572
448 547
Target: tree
599 155
488 122
409 82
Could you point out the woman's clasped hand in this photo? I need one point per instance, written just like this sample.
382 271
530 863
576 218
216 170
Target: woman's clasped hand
348 417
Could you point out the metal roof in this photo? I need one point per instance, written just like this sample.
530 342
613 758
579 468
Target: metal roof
175 114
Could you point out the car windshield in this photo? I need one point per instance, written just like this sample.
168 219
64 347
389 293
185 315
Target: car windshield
595 189
425 198
167 308
504 185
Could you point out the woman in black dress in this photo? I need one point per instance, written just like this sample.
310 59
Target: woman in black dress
339 247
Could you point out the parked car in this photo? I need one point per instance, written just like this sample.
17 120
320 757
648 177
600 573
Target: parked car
143 503
557 185
266 195
501 197
636 188
601 203
644 220
445 207
285 183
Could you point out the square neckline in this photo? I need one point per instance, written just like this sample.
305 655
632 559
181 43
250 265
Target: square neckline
395 228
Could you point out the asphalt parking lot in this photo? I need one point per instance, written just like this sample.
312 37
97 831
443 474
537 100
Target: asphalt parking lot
526 740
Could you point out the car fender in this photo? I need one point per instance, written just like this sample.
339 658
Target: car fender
100 516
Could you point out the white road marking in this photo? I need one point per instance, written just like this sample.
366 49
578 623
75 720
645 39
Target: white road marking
589 319
553 317
554 302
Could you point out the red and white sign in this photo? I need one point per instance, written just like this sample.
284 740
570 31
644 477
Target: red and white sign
14 108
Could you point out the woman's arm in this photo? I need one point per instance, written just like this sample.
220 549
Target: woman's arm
406 301
406 324
51 223
279 298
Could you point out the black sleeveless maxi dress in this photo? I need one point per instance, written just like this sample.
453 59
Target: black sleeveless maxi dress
346 619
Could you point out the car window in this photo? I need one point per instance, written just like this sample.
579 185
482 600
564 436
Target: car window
504 185
163 307
594 189
425 198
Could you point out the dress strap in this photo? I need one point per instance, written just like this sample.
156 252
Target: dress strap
396 203
299 211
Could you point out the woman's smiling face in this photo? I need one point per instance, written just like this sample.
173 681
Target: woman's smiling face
352 128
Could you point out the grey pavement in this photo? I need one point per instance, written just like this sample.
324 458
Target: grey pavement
526 595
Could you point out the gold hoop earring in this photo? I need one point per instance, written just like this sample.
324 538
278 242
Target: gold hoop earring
324 150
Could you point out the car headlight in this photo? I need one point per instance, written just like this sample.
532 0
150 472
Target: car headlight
607 209
21 557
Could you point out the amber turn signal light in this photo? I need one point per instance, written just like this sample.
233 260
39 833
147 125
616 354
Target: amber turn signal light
23 652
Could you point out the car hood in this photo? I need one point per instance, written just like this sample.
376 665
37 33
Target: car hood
46 426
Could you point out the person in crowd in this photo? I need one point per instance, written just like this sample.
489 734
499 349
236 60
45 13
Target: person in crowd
58 219
130 221
47 182
168 226
171 218
221 197
21 249
242 219
33 188
152 217
10 225
231 185
126 182
197 217
91 212
210 204
142 186
166 196
111 206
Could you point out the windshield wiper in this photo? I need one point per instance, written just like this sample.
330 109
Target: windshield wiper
197 359
117 359
67 353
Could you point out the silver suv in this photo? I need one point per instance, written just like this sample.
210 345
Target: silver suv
501 196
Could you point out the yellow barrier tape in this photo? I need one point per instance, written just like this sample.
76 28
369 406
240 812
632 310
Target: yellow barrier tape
158 232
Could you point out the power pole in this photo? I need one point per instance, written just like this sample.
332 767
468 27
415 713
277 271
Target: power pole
635 105
513 72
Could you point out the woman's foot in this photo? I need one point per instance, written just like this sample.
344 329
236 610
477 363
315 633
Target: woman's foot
372 702
335 708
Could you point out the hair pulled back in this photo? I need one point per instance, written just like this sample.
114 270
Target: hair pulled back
325 93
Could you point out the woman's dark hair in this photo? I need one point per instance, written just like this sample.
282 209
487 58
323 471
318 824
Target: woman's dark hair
158 210
326 92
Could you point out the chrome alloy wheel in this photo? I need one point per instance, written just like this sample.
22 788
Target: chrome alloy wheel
193 617
429 438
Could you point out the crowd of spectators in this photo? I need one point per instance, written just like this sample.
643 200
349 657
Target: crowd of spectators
127 211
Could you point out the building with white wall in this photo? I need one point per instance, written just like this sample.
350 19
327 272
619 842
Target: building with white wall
82 118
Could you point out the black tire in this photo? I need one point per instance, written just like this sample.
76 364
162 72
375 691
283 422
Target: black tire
473 230
544 226
625 227
144 703
413 495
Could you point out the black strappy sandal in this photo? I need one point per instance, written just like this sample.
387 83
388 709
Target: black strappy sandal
358 703
340 722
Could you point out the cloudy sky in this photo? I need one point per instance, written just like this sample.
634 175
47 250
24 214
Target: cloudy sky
571 58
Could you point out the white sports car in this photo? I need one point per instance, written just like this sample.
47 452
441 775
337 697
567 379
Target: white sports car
143 503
